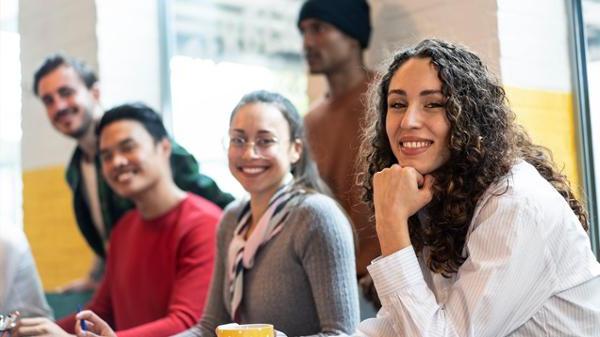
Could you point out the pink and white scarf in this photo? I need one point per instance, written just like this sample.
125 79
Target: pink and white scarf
242 252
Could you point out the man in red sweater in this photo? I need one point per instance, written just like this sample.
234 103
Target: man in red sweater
160 258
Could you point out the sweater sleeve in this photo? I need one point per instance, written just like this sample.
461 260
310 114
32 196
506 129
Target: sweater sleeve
215 312
101 304
194 268
327 254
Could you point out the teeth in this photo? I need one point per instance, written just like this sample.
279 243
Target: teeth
252 170
415 145
124 176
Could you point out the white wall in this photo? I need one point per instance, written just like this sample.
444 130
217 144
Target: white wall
128 52
534 44
46 27
398 24
117 38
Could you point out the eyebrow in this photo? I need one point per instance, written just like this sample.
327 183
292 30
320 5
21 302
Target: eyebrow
259 131
121 143
60 89
422 93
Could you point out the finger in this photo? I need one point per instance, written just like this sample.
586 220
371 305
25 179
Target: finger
31 331
96 322
428 181
89 326
420 180
427 190
86 334
413 173
32 321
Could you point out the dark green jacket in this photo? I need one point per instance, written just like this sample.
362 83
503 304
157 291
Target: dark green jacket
185 174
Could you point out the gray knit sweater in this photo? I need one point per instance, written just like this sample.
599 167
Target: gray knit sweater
303 280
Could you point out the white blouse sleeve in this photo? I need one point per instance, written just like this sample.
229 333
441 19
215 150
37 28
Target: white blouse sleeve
504 281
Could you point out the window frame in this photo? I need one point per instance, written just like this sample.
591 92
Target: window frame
584 122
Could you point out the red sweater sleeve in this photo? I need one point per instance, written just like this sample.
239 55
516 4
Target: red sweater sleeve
194 270
100 304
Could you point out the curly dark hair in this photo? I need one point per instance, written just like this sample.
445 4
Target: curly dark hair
485 142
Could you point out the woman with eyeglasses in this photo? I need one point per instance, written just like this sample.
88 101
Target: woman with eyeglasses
286 255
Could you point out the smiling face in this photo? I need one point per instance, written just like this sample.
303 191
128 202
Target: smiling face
416 123
132 162
69 103
260 152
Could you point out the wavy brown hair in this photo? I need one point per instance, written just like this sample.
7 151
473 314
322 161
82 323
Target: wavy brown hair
485 142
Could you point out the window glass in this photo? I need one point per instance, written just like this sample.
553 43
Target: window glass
590 13
10 117
221 50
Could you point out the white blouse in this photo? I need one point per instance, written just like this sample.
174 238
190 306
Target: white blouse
529 271
20 286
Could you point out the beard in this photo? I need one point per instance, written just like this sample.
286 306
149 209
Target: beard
86 124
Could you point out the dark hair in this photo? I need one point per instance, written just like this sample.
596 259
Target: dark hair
484 142
305 172
352 17
139 112
54 61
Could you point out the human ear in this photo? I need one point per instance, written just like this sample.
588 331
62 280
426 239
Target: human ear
296 149
165 146
95 90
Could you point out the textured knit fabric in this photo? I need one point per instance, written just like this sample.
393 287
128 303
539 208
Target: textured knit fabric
530 272
243 248
20 286
333 131
185 174
158 271
303 279
350 16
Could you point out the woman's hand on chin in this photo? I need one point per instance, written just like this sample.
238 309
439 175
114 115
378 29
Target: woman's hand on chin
398 193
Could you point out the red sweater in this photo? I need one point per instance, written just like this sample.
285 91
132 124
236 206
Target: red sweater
157 271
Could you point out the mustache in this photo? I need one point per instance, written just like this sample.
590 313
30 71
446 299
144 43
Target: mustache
64 112
114 173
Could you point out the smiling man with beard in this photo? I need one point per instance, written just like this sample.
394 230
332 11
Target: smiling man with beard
70 93
335 34
161 253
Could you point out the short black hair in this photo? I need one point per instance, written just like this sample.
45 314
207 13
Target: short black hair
138 112
87 75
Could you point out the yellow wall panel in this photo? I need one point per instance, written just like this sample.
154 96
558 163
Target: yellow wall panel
550 119
59 249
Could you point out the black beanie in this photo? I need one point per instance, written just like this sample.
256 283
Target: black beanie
349 16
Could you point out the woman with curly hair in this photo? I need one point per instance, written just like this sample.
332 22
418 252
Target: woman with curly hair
480 234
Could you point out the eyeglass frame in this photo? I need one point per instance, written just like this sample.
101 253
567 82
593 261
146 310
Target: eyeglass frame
257 148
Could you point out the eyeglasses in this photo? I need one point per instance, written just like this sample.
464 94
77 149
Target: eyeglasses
260 145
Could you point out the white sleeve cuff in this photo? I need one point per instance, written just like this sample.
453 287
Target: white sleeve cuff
395 272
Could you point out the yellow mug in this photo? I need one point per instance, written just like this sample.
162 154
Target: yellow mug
245 330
